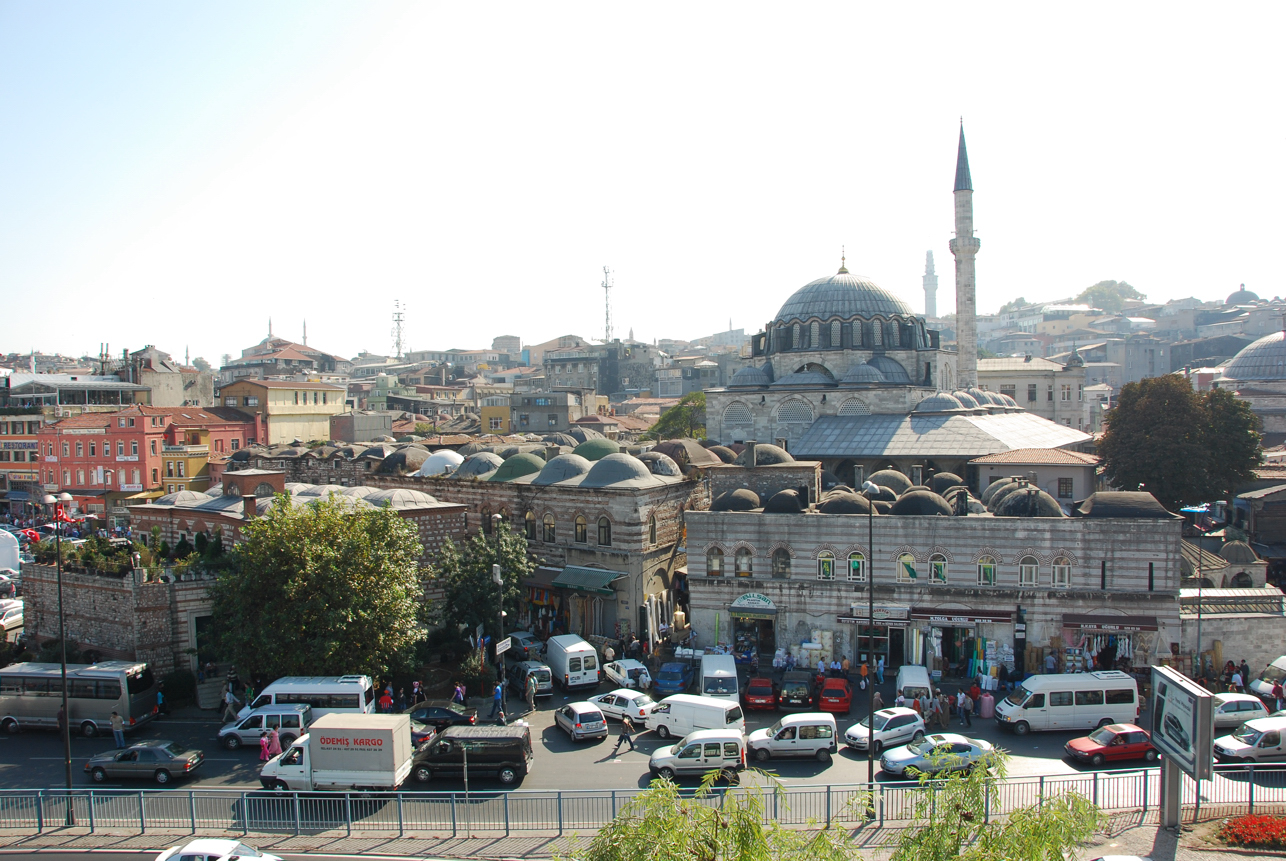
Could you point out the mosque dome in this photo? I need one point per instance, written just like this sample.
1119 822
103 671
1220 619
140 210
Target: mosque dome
661 464
479 465
518 466
617 468
922 503
785 502
1238 553
1263 360
561 468
863 374
1241 296
749 376
939 403
596 449
841 295
807 377
968 400
944 480
892 479
765 454
441 462
844 502
891 369
724 453
740 499
1029 501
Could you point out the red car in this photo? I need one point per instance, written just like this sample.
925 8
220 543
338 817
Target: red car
759 694
1118 741
836 696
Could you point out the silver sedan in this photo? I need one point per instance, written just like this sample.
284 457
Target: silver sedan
935 754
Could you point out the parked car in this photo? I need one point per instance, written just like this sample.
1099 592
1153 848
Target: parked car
211 849
1112 743
759 694
934 754
796 693
836 696
894 726
441 714
11 619
702 751
809 734
422 732
628 673
524 646
288 720
673 678
161 761
581 720
1233 710
623 701
519 673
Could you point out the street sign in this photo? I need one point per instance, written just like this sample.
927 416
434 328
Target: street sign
503 646
1182 722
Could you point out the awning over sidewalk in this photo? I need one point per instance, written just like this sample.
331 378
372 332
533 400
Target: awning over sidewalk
592 581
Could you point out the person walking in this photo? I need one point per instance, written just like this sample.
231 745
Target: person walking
234 680
274 743
966 709
458 696
161 707
1234 686
263 747
1245 676
118 730
864 672
879 669
845 666
497 699
975 695
627 729
946 710
531 692
879 701
230 704
900 699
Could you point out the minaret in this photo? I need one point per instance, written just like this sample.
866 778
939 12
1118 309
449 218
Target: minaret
964 247
305 333
930 286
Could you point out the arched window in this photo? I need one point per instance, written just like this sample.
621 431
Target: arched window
795 410
825 565
1027 568
937 568
815 335
856 328
714 562
837 337
906 569
582 530
854 407
780 563
745 563
857 568
1242 580
1062 573
877 333
651 531
895 334
796 342
529 526
486 520
986 571
604 532
551 530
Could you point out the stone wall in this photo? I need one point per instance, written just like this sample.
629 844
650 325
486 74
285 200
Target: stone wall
1256 638
765 480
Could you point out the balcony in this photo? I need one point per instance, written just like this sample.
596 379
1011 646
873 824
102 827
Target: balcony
186 450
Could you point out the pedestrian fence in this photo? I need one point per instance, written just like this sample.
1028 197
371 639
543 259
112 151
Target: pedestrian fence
1236 789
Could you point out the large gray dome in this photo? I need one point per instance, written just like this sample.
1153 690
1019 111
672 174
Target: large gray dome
618 468
561 468
1263 360
841 295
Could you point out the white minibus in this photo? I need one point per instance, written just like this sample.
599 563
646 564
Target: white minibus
572 661
1070 701
719 677
1273 673
326 695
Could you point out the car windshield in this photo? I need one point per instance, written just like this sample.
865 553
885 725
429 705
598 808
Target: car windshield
775 728
1018 697
1274 674
720 684
174 749
670 675
1247 736
759 690
642 700
1102 736
880 721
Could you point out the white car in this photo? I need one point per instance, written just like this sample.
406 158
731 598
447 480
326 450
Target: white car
1233 710
622 702
11 619
894 726
628 673
210 849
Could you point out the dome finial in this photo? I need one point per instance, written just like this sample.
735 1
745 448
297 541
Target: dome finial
843 268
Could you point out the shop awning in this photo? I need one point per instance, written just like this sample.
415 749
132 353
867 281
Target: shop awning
1110 624
594 581
959 617
540 585
18 496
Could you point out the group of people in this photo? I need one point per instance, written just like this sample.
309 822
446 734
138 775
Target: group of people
1236 679
937 710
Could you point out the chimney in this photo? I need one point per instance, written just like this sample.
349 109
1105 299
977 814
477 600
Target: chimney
804 495
249 507
750 453
551 452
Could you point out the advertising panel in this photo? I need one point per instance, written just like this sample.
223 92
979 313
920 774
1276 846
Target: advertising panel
1182 722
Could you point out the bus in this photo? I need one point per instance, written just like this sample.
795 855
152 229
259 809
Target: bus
31 695
326 694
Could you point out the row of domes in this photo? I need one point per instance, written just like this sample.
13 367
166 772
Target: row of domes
970 400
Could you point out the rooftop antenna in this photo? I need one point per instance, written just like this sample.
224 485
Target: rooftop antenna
607 301
397 328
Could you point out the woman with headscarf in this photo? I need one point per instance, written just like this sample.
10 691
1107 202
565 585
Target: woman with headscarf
274 743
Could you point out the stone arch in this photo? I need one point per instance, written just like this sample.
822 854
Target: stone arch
815 367
938 548
1066 554
795 411
264 490
988 551
854 407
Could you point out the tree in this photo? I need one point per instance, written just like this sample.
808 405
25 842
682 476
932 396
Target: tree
470 596
321 589
1109 295
1013 305
685 419
200 364
1178 445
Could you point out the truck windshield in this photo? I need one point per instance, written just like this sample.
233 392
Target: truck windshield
1018 697
720 685
1274 672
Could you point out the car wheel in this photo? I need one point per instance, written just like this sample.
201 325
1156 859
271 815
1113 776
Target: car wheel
1022 728
507 776
11 727
1150 756
667 773
918 736
281 786
162 776
89 729
762 754
879 748
423 774
98 775
1098 760
286 741
730 776
232 741
1105 722
823 756
663 731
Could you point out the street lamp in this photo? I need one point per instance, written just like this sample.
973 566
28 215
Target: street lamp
50 500
500 589
870 490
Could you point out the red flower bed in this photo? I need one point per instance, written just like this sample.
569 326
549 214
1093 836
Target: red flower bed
1259 832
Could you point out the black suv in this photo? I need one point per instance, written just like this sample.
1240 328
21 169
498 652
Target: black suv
504 751
797 690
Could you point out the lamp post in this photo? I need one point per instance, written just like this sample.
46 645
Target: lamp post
54 502
870 491
1201 662
500 589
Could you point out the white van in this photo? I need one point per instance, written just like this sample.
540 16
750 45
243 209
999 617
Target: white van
1273 673
719 677
701 752
808 734
1070 701
1262 740
681 714
326 695
913 681
572 661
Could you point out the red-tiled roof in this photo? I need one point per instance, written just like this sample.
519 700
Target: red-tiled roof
1040 456
201 417
284 384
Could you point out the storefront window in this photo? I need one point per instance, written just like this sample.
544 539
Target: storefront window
986 571
582 530
714 562
780 563
906 569
825 566
550 529
938 568
1027 568
1062 573
857 567
745 564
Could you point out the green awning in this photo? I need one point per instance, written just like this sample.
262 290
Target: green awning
594 581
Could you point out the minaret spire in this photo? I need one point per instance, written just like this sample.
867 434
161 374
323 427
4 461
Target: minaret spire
930 286
305 333
965 246
843 264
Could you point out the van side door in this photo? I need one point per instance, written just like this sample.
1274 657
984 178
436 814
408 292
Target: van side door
785 742
1062 710
1270 746
689 760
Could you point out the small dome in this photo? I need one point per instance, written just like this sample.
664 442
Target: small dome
518 466
596 449
992 489
968 400
479 465
321 491
687 452
844 503
722 452
995 398
1030 501
399 498
921 503
784 502
891 369
1009 489
661 464
1008 401
560 439
765 455
183 498
863 374
1265 359
841 295
939 403
1241 296
811 379
403 462
740 499
978 395
944 480
441 463
830 481
617 468
882 506
892 479
584 434
1238 553
749 376
361 491
472 448
561 468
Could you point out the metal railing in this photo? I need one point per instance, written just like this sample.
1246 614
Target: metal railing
1238 789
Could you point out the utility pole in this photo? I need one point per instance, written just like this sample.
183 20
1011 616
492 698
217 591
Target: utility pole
607 301
397 328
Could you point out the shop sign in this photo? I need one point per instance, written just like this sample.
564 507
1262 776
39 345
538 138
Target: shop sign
132 487
132 458
18 445
959 617
862 620
1110 624
753 601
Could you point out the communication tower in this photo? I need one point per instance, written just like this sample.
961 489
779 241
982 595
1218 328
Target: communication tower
397 328
607 301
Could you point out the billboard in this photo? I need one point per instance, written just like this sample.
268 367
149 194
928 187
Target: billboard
1182 722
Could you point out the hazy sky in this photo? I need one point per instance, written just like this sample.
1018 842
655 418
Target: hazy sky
177 173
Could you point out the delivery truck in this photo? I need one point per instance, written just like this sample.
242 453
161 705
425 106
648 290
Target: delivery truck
345 752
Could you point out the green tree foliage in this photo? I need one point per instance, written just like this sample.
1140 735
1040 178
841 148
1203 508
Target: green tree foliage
1013 305
464 574
321 589
1109 295
686 419
1178 445
200 364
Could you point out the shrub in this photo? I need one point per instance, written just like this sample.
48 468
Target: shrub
1255 831
478 675
180 688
